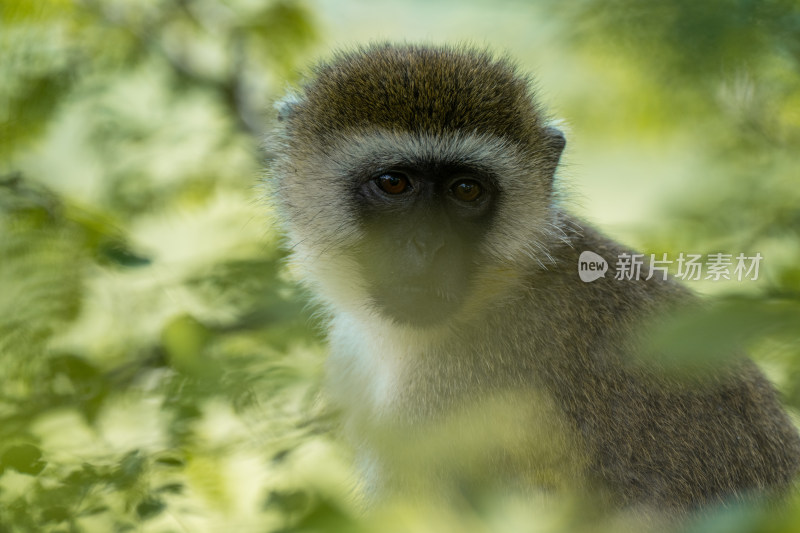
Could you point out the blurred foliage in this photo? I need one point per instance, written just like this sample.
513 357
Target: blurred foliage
160 368
728 71
153 351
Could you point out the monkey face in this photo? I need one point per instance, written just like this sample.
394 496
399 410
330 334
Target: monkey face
422 229
418 227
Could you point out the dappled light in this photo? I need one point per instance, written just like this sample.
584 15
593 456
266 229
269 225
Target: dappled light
162 367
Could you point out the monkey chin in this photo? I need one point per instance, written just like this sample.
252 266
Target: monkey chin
419 307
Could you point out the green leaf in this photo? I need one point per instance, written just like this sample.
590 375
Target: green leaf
150 507
24 458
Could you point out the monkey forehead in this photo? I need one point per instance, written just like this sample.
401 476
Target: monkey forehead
360 155
418 89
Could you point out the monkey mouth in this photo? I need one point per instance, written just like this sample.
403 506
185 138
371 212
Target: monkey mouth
416 305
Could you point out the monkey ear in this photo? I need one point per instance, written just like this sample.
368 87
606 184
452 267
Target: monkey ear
555 139
555 142
287 106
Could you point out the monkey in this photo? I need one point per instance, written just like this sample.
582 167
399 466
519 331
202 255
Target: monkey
415 185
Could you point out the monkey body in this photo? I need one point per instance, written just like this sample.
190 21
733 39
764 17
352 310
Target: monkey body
644 438
416 189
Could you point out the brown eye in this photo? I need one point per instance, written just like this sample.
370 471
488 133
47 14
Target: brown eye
392 183
467 190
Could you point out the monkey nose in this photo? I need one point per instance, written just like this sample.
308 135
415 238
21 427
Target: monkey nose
427 245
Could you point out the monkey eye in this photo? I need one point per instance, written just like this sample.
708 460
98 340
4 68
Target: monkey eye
466 190
393 183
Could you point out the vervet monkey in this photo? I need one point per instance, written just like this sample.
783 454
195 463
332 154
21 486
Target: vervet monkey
415 184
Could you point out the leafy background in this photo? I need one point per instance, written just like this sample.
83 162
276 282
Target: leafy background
160 369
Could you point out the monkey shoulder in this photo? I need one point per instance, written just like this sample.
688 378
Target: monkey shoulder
652 435
599 310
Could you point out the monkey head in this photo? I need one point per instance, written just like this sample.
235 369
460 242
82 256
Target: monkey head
416 179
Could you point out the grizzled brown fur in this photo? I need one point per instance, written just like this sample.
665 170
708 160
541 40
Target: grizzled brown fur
421 90
580 407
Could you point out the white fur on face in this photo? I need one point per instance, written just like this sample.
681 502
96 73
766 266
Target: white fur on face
315 188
